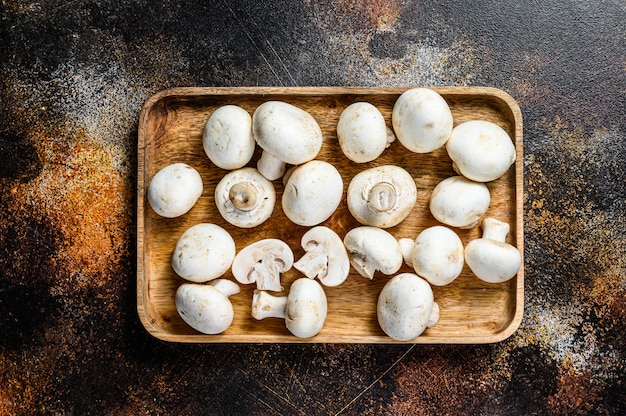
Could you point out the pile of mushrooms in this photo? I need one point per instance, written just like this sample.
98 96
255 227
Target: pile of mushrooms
379 198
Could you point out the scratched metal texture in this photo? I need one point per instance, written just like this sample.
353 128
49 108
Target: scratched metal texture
73 76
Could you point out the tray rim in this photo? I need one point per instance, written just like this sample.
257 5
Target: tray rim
494 93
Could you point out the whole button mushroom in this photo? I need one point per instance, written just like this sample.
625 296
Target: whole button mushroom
245 198
312 193
287 134
480 150
422 120
326 257
203 252
263 262
227 138
304 308
436 255
174 190
382 196
206 308
362 132
490 258
459 202
406 307
371 249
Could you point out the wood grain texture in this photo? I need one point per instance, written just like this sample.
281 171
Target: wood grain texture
170 130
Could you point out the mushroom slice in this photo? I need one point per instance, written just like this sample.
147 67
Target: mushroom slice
382 196
312 193
245 198
422 120
490 258
406 307
206 308
459 202
174 190
287 134
263 262
203 252
326 257
371 249
480 150
227 137
304 308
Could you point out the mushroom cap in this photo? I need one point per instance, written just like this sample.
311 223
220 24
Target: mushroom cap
438 255
371 249
422 120
203 252
459 202
306 308
326 257
362 132
227 138
263 260
250 188
287 132
174 190
312 193
480 150
204 308
405 307
382 196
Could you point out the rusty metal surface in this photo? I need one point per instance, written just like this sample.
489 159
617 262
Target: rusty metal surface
73 76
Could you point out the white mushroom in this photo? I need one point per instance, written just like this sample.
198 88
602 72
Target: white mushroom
312 193
174 190
227 138
459 202
437 255
304 308
245 198
371 249
490 258
382 196
203 252
422 120
480 150
326 257
263 262
362 132
287 134
406 307
206 308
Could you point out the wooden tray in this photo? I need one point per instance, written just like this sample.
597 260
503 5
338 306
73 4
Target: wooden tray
170 130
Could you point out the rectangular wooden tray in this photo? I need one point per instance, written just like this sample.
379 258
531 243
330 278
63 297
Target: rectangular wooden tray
170 130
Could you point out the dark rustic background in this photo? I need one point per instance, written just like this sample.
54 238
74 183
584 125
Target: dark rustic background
73 77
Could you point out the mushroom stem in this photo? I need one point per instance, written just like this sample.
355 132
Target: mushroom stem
382 197
243 196
270 166
266 273
225 287
434 315
407 245
494 229
265 305
314 263
362 265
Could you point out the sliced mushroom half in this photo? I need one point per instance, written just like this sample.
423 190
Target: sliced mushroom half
326 257
263 262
